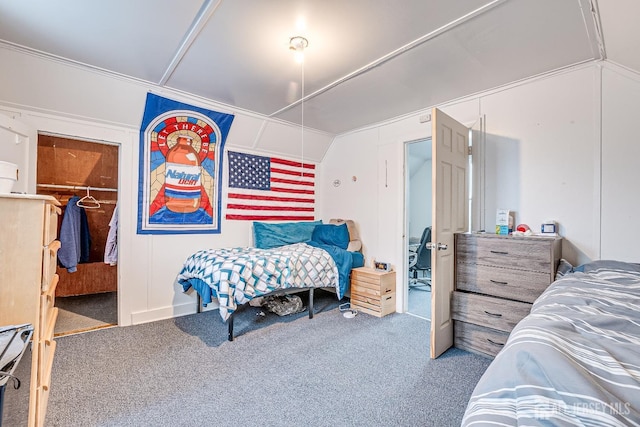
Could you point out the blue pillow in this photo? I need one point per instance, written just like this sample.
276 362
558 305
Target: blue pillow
271 235
331 234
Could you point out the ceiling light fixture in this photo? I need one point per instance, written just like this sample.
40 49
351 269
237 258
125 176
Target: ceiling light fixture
298 44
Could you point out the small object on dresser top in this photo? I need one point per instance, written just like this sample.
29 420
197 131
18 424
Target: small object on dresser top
382 266
549 227
522 230
505 221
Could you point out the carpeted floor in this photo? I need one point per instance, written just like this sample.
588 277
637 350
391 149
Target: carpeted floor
279 371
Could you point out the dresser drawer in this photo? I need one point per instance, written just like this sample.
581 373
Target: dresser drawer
530 254
50 231
495 313
382 282
371 289
362 293
375 306
506 283
48 350
49 263
47 302
42 400
478 339
44 384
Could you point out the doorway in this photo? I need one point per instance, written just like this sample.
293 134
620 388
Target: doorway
418 212
83 176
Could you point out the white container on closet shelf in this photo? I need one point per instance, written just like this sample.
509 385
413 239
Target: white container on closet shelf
8 176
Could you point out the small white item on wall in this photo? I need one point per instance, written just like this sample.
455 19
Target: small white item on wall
336 183
8 176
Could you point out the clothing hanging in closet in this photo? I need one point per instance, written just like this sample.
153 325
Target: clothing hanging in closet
111 248
75 241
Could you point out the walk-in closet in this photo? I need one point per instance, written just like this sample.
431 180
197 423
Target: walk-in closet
83 176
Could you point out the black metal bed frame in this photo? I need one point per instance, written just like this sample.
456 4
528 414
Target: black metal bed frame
276 292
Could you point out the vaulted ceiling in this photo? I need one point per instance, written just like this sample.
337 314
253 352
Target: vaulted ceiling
367 60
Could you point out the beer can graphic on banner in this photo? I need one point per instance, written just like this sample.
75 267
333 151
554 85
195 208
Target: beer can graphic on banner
182 177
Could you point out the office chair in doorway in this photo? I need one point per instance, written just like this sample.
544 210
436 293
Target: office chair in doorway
420 261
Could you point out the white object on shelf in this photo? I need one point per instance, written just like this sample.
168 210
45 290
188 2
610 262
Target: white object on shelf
8 176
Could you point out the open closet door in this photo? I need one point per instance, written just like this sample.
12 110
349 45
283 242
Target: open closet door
450 148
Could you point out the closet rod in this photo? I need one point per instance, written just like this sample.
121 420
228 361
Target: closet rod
76 187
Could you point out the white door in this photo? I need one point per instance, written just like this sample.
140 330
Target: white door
450 145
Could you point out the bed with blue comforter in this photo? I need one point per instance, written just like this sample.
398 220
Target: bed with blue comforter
574 360
291 255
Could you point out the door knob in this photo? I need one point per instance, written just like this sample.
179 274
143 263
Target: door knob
438 246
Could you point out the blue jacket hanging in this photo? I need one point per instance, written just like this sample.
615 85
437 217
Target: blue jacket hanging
75 241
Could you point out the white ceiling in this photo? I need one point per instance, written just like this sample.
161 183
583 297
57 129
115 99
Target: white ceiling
367 60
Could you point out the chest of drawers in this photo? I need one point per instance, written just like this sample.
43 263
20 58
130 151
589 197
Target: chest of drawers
28 255
372 291
497 279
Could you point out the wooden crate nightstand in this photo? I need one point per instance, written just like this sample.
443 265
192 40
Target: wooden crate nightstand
372 291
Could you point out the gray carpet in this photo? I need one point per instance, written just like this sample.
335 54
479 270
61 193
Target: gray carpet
327 371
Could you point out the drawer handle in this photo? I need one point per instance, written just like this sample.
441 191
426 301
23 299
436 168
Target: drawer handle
492 314
497 282
495 343
500 252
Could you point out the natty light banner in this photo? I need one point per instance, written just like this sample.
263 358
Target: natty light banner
180 172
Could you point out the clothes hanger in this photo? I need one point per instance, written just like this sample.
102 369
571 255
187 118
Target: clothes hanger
88 202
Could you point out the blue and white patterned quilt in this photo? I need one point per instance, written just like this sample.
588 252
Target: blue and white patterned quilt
235 276
574 361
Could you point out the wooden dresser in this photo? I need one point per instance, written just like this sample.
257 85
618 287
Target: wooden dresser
373 291
497 279
28 256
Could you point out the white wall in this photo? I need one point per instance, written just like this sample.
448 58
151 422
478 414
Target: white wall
620 165
54 97
542 157
419 188
542 160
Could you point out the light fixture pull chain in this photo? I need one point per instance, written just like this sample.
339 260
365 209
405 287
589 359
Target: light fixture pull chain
298 44
302 120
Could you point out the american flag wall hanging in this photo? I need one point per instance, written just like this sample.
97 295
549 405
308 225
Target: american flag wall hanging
270 189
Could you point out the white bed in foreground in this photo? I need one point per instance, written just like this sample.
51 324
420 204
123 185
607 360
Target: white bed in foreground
574 361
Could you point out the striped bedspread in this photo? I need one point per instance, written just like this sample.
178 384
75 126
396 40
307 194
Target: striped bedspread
237 275
574 361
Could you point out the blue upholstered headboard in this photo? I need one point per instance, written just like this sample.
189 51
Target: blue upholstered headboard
270 235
